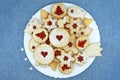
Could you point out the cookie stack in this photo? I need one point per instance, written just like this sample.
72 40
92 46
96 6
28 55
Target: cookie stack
61 38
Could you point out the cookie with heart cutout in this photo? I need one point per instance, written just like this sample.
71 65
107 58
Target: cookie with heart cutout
49 23
58 10
44 54
71 45
80 59
33 45
32 26
40 35
76 12
59 37
82 42
65 69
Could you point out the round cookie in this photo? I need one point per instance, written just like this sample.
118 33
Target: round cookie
59 37
44 54
65 69
40 35
82 42
58 10
33 45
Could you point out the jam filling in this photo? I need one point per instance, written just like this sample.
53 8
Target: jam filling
80 58
70 44
81 43
74 26
65 58
65 67
59 37
57 53
44 54
59 10
33 47
49 23
48 41
34 27
41 35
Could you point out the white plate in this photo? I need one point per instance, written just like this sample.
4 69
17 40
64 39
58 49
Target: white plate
94 37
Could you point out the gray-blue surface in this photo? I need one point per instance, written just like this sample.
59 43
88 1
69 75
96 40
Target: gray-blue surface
14 15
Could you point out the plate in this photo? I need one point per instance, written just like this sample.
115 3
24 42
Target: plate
94 37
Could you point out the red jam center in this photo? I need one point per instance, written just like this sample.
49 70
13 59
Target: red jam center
59 37
59 10
41 35
44 54
49 23
65 58
70 44
80 58
65 67
81 43
74 26
48 41
57 53
33 47
34 27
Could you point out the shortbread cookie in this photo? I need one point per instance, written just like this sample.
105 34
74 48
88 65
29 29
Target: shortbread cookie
66 58
58 10
65 69
43 14
33 45
93 49
82 42
32 25
75 25
44 54
40 35
59 37
86 31
53 65
62 22
71 45
49 23
80 59
58 52
87 21
75 12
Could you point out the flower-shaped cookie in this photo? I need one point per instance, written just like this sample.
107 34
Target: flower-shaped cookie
71 45
66 58
80 59
49 23
75 25
62 22
32 25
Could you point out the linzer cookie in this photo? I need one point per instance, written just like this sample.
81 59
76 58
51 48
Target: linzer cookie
58 10
40 35
59 37
44 54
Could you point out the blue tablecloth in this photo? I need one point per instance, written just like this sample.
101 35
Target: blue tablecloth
14 15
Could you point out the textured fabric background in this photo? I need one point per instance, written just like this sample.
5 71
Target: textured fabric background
14 15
